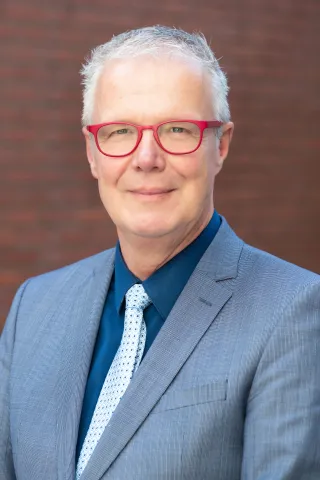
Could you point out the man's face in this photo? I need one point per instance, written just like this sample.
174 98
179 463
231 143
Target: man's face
147 91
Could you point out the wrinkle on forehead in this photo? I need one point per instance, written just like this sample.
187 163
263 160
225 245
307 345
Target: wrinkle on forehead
153 89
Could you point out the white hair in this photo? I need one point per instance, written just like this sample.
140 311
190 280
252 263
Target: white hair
154 41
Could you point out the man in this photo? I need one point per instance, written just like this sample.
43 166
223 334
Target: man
183 353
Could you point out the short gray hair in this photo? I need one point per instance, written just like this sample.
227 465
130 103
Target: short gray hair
154 41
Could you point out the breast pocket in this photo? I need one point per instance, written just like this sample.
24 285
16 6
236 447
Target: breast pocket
177 398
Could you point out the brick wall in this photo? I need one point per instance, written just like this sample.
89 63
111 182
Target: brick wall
269 190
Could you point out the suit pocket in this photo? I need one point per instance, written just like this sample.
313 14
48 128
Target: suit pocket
178 398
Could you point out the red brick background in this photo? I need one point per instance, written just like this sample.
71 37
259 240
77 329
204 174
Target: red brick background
269 190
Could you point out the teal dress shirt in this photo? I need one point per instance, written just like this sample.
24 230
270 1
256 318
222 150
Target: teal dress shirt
163 287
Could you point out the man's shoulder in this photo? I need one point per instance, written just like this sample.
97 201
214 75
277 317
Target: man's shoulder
77 270
273 270
253 264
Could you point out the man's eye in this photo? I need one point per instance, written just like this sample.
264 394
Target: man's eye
122 131
178 129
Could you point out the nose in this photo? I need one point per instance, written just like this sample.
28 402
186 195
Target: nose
148 155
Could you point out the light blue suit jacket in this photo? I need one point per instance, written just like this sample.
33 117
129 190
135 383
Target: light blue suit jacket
229 390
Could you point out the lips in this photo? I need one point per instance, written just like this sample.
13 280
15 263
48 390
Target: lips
153 191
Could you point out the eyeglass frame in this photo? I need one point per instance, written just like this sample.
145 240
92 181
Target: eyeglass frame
202 125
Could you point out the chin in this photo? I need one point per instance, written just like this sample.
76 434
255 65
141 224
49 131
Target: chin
150 232
148 227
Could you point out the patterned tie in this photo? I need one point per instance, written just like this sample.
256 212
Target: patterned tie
125 363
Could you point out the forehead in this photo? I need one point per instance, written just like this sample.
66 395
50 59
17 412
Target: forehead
148 89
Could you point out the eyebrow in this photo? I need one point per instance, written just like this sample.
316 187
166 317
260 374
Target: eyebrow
158 120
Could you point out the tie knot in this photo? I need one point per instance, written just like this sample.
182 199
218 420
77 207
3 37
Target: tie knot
136 297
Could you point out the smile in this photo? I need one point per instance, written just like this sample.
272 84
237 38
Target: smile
151 194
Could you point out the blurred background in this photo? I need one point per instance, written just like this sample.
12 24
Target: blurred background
50 212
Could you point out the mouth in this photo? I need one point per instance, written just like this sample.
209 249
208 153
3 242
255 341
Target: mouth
151 193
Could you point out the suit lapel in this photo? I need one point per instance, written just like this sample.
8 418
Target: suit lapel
200 302
82 325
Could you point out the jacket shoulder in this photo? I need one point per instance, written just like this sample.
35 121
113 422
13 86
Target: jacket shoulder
75 271
273 270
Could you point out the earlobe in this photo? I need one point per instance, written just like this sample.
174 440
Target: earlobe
90 153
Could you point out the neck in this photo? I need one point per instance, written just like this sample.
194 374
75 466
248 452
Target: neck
143 256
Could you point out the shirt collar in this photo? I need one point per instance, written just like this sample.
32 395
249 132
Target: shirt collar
165 284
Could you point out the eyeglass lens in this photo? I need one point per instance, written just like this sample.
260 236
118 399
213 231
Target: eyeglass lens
176 137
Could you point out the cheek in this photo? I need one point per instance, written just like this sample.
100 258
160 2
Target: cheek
109 171
195 168
199 173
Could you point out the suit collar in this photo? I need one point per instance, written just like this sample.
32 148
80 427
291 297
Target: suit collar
221 259
84 309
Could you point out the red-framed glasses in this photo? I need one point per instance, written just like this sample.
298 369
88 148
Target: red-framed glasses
177 137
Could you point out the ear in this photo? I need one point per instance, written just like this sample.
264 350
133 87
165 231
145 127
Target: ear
90 147
224 141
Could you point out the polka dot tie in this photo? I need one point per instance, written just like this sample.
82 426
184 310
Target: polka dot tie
125 363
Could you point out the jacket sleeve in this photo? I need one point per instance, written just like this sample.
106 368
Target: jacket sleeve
282 427
6 354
